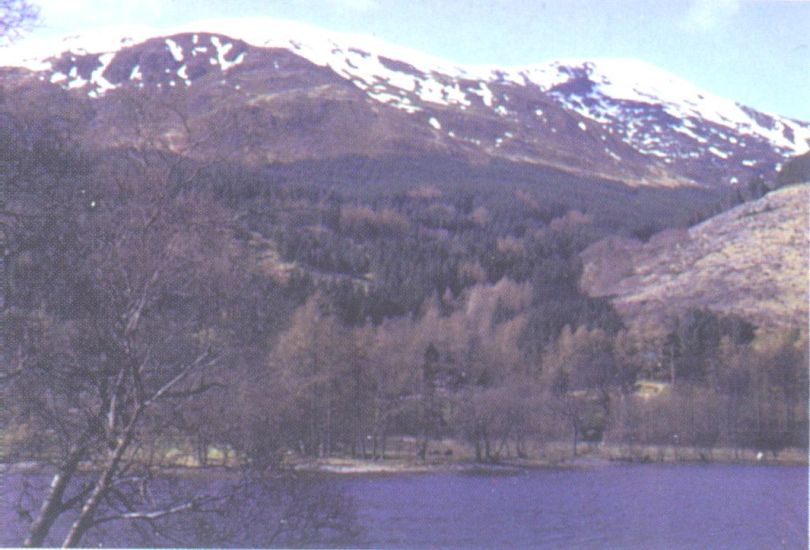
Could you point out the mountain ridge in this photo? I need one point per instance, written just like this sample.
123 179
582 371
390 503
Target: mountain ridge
623 120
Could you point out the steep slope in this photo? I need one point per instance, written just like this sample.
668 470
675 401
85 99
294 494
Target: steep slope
751 260
796 170
292 92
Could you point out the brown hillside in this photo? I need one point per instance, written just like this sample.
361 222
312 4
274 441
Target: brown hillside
751 260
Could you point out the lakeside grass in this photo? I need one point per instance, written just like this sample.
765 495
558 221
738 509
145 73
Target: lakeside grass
402 458
451 455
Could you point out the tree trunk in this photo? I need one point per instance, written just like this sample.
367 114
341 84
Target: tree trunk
487 447
328 438
85 519
423 447
202 450
519 446
790 422
52 507
358 410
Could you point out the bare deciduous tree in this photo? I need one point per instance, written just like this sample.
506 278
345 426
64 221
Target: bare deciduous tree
16 16
121 298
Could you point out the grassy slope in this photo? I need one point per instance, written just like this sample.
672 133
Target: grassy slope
751 260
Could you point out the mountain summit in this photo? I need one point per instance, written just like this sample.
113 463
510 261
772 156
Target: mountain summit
335 94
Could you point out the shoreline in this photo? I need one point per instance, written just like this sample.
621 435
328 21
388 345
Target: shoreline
594 457
505 467
556 456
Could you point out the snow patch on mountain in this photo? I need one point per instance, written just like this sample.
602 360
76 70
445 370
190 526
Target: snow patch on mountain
100 83
175 49
603 89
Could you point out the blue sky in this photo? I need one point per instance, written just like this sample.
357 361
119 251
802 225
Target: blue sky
754 51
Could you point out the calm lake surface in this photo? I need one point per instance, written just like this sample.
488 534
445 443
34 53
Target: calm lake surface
645 506
623 507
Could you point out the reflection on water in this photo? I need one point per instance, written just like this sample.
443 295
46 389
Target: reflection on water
639 506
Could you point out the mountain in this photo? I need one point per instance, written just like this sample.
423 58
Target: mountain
751 260
292 92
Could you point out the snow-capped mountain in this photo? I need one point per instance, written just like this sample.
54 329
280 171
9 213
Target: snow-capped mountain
334 94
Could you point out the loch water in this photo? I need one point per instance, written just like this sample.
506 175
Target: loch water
644 506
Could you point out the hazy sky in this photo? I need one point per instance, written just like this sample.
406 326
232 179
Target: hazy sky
754 51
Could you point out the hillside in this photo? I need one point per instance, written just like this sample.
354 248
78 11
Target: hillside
751 260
